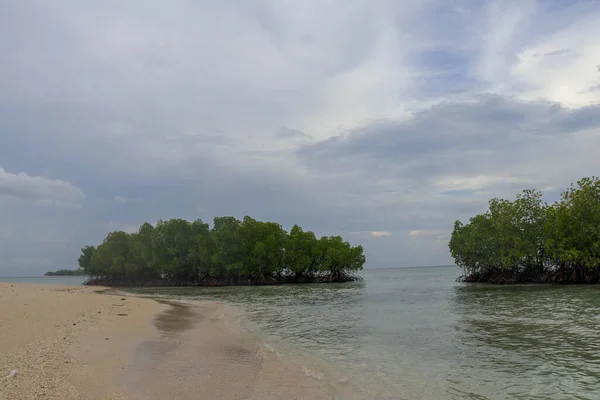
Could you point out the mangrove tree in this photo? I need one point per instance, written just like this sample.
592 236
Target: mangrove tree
232 252
527 240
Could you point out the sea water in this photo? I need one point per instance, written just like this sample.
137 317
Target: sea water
50 280
417 334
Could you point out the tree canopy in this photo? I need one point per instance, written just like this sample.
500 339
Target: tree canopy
527 240
232 252
66 272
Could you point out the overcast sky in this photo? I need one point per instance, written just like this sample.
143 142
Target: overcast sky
379 120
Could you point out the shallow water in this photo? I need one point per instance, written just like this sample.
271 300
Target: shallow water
198 351
415 333
49 280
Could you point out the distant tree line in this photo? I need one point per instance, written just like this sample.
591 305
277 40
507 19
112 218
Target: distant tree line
527 240
66 272
232 252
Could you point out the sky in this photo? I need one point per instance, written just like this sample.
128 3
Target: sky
383 121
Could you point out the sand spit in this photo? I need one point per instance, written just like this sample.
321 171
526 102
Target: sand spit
43 329
70 342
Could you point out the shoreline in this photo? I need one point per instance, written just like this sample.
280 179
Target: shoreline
67 341
74 342
346 278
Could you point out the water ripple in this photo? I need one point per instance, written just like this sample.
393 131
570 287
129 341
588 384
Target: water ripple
414 333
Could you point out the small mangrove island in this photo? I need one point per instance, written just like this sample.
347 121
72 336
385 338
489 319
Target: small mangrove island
177 252
529 241
66 272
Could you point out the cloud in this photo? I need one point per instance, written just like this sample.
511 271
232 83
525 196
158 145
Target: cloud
563 78
422 173
454 184
111 226
339 116
123 200
553 53
54 191
595 88
287 133
380 233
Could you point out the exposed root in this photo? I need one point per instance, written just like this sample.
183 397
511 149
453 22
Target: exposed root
338 277
555 275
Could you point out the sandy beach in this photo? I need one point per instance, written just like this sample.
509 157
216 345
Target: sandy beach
71 342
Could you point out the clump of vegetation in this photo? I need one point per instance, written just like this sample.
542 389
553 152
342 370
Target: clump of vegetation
529 241
66 272
232 252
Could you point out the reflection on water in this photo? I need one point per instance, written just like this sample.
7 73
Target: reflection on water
414 333
534 341
177 318
171 322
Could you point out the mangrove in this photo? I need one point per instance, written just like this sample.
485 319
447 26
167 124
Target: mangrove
530 241
177 252
66 272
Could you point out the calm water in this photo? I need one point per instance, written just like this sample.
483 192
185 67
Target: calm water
50 280
415 334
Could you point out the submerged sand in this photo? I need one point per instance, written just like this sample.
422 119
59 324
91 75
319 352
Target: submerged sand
71 342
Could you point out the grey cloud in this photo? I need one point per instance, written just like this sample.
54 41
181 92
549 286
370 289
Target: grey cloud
580 119
25 186
485 123
38 239
396 168
286 133
112 145
157 102
125 200
594 89
553 53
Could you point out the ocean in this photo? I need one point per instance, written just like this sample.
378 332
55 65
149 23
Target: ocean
46 280
415 333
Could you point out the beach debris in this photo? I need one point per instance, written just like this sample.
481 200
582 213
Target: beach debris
271 349
310 373
12 374
122 315
123 298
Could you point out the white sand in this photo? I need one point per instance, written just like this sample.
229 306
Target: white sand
70 342
41 327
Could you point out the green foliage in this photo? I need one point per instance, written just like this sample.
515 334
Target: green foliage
528 241
301 252
66 272
177 252
574 227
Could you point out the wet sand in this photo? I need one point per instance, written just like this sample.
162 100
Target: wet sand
200 354
73 343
